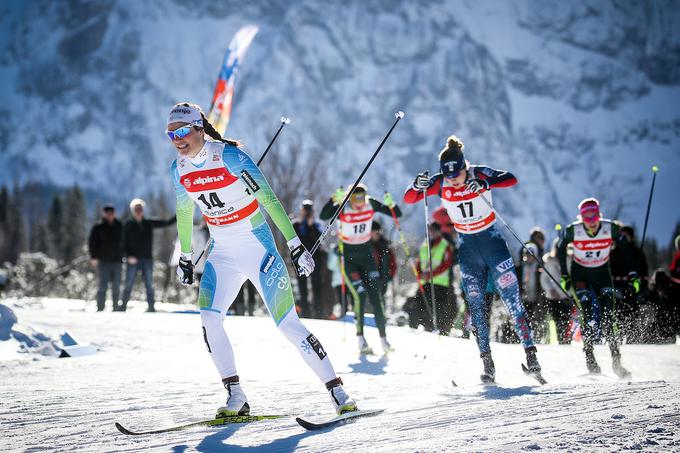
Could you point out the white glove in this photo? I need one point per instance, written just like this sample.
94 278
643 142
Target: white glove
302 259
422 182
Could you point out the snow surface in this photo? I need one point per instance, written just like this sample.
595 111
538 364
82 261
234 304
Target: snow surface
153 371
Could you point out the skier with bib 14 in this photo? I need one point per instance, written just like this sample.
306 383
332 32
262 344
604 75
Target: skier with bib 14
463 189
218 176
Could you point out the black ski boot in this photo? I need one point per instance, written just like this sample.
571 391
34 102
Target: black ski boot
591 363
533 368
532 362
620 371
489 376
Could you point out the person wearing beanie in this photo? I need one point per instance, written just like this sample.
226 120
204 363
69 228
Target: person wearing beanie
219 177
590 281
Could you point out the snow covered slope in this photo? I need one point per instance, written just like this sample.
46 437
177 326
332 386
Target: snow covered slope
578 98
153 371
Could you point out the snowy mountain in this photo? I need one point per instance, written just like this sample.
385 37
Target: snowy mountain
576 98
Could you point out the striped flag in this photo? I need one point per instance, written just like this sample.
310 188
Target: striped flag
220 110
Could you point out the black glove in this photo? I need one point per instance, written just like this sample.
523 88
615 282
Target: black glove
185 271
477 185
422 182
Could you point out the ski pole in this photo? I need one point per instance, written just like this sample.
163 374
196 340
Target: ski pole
429 259
411 262
538 260
399 115
404 245
284 120
649 205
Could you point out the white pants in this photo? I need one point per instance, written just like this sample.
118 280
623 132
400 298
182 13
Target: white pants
253 257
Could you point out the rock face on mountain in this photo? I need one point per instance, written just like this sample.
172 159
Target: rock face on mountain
577 98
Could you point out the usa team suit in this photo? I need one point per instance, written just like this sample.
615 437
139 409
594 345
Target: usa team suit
230 191
482 249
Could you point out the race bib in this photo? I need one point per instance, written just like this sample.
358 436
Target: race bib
355 227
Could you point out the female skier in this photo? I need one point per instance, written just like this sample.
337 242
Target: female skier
354 230
218 176
463 188
591 278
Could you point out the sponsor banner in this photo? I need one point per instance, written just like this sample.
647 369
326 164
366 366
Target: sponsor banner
233 217
267 263
250 181
220 111
357 217
477 226
316 346
451 194
594 244
505 265
507 279
591 262
212 179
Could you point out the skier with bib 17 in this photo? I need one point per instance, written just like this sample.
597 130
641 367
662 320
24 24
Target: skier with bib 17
354 230
591 280
218 176
463 189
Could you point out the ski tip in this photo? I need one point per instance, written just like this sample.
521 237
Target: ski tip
123 429
536 375
454 383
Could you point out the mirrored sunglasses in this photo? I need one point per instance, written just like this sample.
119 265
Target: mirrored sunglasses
180 132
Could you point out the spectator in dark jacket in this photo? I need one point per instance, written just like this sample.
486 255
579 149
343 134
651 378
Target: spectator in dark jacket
309 231
138 245
106 254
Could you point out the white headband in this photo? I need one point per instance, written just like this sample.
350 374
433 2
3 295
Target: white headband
183 114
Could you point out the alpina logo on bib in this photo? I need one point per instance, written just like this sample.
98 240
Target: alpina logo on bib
211 179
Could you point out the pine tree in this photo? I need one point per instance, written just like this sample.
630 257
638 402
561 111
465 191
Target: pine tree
164 239
39 237
4 241
74 224
55 229
15 230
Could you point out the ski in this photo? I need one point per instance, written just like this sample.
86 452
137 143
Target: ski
211 422
534 374
340 419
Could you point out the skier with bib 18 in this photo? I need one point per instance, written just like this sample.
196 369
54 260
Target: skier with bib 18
592 238
354 230
218 176
463 189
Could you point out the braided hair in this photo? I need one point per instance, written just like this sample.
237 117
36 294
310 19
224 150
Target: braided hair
209 129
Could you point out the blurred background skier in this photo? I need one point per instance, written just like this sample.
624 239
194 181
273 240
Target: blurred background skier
354 230
590 278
